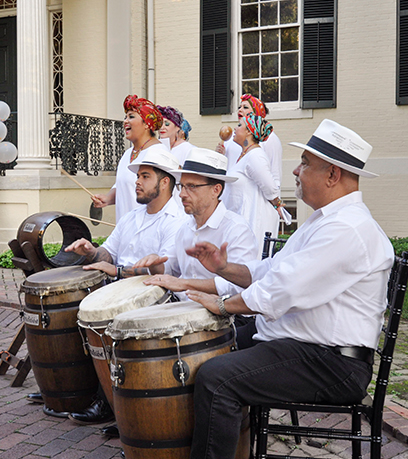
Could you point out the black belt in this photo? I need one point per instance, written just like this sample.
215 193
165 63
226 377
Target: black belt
365 354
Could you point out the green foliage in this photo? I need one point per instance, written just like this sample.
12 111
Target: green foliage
400 244
50 251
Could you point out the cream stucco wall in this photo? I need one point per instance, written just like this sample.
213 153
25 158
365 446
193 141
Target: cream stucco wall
85 57
365 97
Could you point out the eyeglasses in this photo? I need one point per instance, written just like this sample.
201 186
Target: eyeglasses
190 187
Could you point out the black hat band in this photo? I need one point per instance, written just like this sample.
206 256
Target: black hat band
334 153
203 168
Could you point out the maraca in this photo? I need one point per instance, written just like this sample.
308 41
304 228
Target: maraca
225 133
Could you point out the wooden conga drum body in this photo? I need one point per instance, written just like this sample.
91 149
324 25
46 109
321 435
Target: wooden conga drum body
64 373
156 355
99 308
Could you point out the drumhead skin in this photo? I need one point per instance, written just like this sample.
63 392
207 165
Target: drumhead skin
61 280
125 295
165 321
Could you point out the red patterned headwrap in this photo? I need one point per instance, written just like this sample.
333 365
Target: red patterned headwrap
257 105
146 109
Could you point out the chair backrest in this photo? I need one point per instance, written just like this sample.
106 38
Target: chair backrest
276 243
397 286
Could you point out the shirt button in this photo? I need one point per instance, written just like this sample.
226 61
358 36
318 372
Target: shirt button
194 276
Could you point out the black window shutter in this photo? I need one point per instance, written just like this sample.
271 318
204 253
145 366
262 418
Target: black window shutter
215 57
319 54
402 53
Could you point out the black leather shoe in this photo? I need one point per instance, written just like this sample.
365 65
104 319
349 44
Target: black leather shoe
97 413
36 397
57 414
111 431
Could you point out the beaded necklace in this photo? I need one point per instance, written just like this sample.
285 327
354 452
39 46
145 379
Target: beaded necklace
245 151
135 153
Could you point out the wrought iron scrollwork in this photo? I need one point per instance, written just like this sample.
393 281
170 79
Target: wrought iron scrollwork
85 143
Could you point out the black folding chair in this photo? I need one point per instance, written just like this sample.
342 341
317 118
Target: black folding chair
371 407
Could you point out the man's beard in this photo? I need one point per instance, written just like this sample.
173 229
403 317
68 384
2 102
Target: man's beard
149 196
299 191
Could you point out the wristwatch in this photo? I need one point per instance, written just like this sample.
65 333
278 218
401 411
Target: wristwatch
119 272
221 307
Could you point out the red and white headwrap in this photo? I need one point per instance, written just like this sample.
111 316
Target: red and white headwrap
257 105
146 109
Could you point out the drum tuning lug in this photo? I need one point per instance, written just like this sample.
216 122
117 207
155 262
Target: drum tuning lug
45 319
118 375
181 371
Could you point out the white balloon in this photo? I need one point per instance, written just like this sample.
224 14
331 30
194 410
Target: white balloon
3 131
4 111
8 152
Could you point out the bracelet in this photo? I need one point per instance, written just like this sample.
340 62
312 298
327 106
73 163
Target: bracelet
221 307
119 272
278 205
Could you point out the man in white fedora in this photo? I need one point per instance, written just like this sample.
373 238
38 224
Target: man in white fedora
149 228
201 182
319 303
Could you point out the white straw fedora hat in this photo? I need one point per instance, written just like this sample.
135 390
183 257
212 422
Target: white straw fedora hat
340 146
156 156
208 163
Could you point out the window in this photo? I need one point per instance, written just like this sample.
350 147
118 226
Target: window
57 68
6 4
269 48
402 53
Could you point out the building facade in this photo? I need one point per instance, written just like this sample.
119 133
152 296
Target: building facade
308 59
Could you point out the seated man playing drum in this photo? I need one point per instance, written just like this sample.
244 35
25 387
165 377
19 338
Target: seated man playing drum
201 183
319 302
141 231
149 228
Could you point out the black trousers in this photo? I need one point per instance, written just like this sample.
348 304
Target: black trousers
279 370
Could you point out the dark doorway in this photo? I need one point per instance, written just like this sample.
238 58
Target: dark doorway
8 72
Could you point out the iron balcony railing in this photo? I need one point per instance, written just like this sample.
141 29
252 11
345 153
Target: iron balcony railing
85 143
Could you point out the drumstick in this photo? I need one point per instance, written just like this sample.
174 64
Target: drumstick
76 181
91 219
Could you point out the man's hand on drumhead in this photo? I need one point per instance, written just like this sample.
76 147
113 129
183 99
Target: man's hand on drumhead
172 283
208 301
210 256
104 266
154 262
81 247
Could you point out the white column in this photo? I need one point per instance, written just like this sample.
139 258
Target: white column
32 85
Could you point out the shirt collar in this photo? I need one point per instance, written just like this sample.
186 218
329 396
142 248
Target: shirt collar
215 218
334 206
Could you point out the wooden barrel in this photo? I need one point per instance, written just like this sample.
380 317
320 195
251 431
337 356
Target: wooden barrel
64 373
99 308
154 376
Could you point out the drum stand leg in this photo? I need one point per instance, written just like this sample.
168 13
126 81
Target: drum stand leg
9 358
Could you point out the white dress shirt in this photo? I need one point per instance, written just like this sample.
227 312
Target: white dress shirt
138 234
222 226
328 284
273 149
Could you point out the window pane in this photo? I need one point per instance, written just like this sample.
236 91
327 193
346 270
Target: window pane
288 11
249 1
250 67
250 43
289 89
289 39
270 91
270 41
289 64
249 16
250 87
269 14
270 65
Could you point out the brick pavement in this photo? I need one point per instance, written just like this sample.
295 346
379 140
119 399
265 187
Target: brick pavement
26 432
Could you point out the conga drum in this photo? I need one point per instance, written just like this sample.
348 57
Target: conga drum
64 373
157 352
99 308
